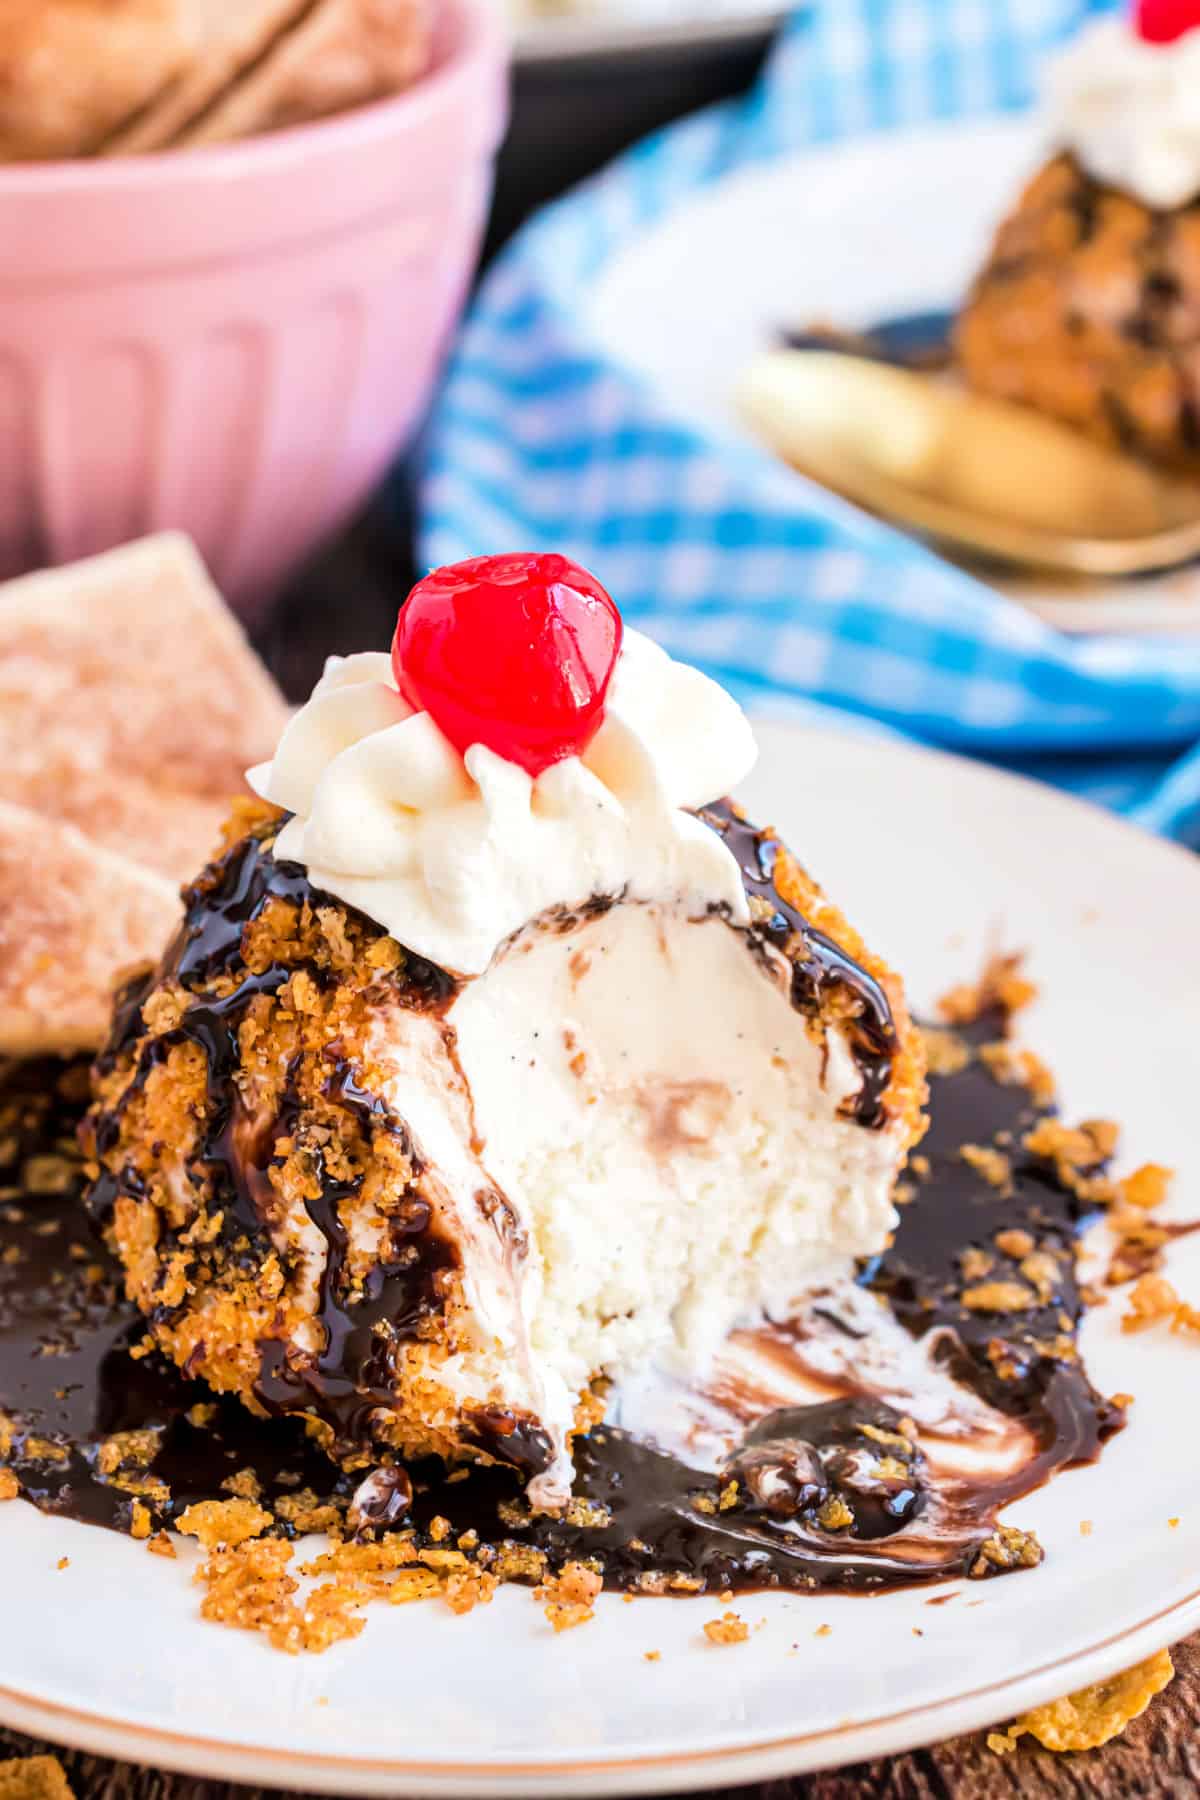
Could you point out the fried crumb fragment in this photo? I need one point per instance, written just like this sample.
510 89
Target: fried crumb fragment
1015 1243
1152 1299
247 1585
128 1449
652 1655
1139 1247
1093 1715
975 1263
991 1163
411 1585
34 1778
227 1522
10 1487
1043 1273
999 1297
1007 1548
1076 1152
365 1561
1013 1067
141 1520
245 1485
1147 1187
586 1515
329 1616
468 1589
160 1545
730 1628
1001 984
40 1449
834 1514
568 1597
519 1562
305 1513
946 1053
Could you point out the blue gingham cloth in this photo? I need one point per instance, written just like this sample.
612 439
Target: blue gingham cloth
790 597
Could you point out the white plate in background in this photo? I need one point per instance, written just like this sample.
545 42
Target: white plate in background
612 29
846 234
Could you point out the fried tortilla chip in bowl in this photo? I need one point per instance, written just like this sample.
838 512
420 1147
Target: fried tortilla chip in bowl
230 268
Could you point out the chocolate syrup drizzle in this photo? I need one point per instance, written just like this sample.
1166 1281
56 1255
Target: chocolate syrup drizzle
68 1381
818 964
351 1375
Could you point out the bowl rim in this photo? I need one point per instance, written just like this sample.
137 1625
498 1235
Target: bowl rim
481 42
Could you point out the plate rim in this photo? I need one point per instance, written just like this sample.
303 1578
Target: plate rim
796 1753
573 40
890 1733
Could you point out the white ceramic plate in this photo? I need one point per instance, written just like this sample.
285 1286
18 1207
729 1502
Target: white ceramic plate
849 234
934 858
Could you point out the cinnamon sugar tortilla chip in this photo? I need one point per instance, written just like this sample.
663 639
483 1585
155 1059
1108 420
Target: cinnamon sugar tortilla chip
228 40
343 53
131 703
72 917
72 71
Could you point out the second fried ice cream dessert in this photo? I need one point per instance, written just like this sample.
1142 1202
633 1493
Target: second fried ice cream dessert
498 1055
1088 308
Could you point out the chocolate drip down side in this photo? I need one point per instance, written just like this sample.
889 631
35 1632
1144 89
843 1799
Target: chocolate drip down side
819 966
349 1377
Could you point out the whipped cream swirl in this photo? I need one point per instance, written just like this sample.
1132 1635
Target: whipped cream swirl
1130 111
452 854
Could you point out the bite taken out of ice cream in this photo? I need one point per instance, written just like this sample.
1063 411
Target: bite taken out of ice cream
498 1056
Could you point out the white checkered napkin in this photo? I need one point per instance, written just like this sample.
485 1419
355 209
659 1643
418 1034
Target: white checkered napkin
539 440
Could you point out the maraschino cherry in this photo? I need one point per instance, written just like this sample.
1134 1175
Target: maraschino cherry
515 652
1164 21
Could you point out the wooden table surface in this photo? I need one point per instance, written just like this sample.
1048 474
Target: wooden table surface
347 601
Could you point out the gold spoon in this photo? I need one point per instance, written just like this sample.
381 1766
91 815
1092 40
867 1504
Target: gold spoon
982 475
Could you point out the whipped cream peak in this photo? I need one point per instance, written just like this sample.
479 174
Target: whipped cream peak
1130 110
453 854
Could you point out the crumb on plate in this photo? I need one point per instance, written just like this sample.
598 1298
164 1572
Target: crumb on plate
34 1778
568 1598
730 1628
1093 1715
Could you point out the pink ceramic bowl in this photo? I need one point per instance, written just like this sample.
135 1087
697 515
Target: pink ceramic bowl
237 341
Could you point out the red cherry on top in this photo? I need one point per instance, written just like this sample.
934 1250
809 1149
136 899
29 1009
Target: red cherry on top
515 652
1164 21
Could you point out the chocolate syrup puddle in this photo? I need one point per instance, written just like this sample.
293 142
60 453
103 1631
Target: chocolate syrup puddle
830 1495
